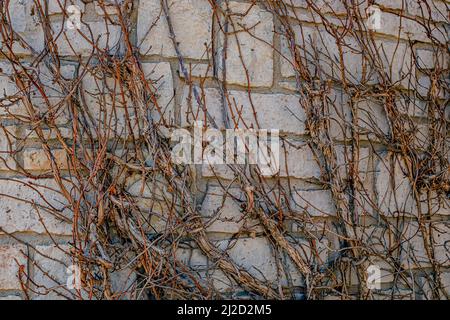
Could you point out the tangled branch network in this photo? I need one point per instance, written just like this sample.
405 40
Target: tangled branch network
92 93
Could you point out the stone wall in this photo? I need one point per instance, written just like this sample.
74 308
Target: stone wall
363 121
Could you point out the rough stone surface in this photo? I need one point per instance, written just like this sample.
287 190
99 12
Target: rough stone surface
11 259
393 191
256 55
37 159
396 26
192 112
51 273
266 93
74 42
197 70
24 216
319 42
11 298
191 20
159 78
266 111
414 253
8 89
254 255
223 214
57 6
7 145
297 160
26 24
315 202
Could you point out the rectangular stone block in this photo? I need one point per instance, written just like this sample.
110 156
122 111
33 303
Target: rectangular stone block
315 203
361 160
397 60
44 96
26 23
416 240
406 28
75 42
372 120
123 284
22 207
191 111
11 259
266 111
191 22
258 111
51 274
392 4
59 6
106 7
160 78
50 96
109 108
11 298
249 53
395 194
222 171
36 159
49 134
394 294
7 148
257 257
393 188
336 7
412 106
441 239
197 70
222 211
11 104
319 53
298 161
192 257
435 10
339 113
445 281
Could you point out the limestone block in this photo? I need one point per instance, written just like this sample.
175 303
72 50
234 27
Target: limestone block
36 159
22 207
75 42
7 147
57 6
414 253
223 213
315 203
103 94
26 23
298 161
249 57
191 111
53 269
267 111
191 21
11 259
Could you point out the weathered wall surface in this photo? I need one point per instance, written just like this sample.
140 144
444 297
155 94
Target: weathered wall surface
86 114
